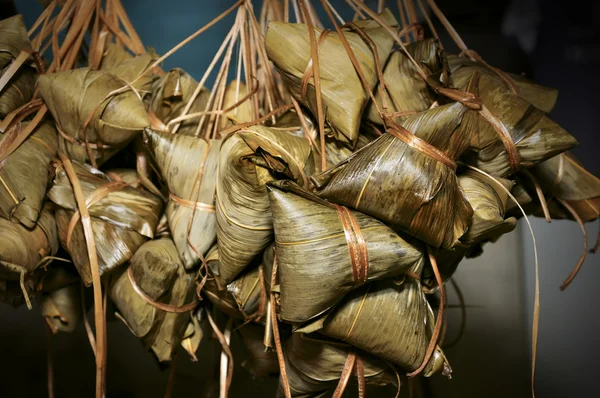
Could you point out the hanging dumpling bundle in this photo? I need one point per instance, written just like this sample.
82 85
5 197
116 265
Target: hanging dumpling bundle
390 319
155 296
314 366
514 135
25 174
90 121
249 159
23 253
406 177
188 165
244 298
171 94
405 91
60 300
324 251
344 97
20 88
122 218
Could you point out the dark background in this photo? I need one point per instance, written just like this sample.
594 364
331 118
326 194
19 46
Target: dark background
555 42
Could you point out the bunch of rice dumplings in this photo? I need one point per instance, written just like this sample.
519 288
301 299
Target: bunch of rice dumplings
193 208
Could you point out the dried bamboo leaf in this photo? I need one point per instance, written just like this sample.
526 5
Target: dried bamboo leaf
76 95
19 91
404 187
159 273
344 96
314 365
535 136
122 218
240 298
13 39
306 229
249 159
171 93
407 92
188 165
25 176
119 62
389 319
542 97
21 253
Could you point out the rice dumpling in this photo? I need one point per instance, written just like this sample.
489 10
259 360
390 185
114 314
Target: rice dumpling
60 301
249 159
171 93
188 165
22 253
89 122
13 39
193 335
25 174
409 181
122 64
314 365
405 91
489 204
241 298
154 297
563 177
18 91
324 251
235 92
344 97
528 136
122 218
390 319
543 98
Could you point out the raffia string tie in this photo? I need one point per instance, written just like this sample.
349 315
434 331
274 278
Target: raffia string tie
81 143
160 306
359 255
415 142
191 204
